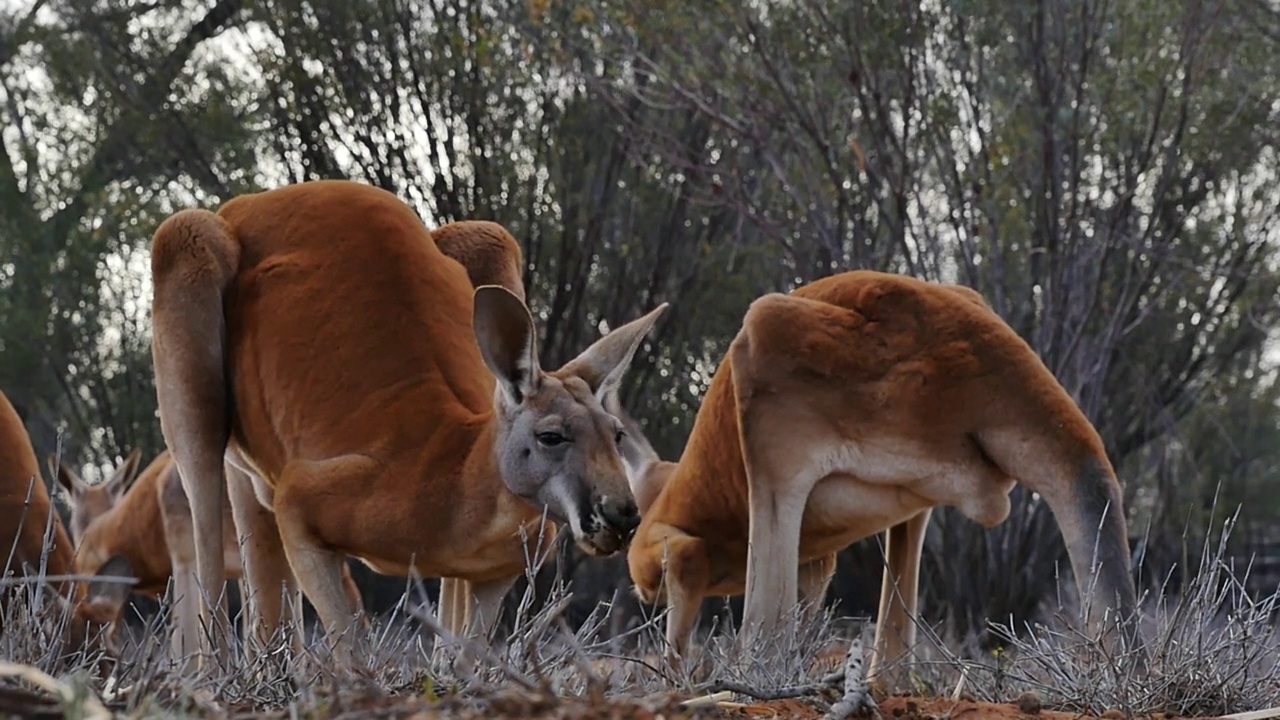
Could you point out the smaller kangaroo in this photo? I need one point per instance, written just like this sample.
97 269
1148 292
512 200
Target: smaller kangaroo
139 525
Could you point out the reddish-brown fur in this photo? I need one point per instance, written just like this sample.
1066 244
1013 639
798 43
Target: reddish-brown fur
121 517
25 508
863 400
486 251
26 513
145 520
362 407
491 256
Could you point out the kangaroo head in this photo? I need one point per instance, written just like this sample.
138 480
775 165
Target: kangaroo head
557 445
646 472
95 553
90 502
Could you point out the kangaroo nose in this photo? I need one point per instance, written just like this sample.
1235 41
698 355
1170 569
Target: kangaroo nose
623 516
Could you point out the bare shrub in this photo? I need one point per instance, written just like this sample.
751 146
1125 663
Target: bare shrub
1212 650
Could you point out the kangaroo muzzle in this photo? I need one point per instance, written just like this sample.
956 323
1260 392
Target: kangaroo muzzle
609 525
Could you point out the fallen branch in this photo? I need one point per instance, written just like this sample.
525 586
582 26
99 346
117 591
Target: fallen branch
857 696
782 693
1265 714
656 670
93 707
706 700
34 579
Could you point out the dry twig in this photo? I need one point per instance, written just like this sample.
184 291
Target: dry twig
857 696
93 707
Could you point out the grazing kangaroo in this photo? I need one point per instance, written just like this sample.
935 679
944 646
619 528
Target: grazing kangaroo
851 406
26 520
384 408
139 525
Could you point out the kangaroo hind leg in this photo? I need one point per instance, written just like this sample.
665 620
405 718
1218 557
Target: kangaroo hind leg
781 473
268 586
813 580
320 569
899 600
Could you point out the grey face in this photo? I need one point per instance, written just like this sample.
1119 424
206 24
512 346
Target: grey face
559 451
557 446
637 454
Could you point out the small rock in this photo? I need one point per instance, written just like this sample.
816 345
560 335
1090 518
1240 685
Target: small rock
1029 703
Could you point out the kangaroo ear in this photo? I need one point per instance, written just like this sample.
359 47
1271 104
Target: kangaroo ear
504 332
124 476
64 475
605 363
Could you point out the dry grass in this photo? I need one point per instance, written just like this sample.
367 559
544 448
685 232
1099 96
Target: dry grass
1212 650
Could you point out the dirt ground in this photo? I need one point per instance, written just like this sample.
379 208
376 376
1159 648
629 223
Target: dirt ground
517 704
908 708
894 708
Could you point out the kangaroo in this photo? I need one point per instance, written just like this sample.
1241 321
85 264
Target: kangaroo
27 520
383 407
853 406
139 525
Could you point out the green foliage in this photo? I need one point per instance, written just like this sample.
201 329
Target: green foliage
1099 172
113 120
1102 173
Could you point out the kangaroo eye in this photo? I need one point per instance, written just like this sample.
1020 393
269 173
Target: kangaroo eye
618 437
552 439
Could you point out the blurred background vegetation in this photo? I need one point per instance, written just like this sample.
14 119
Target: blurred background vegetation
1104 173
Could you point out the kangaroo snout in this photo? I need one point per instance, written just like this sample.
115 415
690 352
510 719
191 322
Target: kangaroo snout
622 515
611 523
